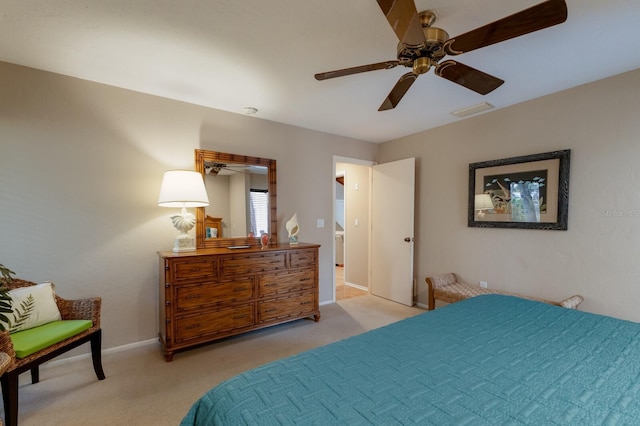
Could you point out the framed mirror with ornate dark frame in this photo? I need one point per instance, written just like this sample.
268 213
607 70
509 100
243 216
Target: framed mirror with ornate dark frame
236 172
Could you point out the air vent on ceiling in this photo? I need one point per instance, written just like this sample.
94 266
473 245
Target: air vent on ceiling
465 112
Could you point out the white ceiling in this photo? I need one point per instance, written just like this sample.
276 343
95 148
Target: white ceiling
229 54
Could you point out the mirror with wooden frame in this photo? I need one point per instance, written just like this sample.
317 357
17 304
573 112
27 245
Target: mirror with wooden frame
242 200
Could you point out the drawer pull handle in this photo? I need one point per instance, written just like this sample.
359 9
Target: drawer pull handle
270 310
191 327
305 279
271 285
239 289
305 303
193 296
237 317
195 269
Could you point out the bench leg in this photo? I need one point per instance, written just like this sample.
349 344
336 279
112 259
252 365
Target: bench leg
96 354
431 300
9 383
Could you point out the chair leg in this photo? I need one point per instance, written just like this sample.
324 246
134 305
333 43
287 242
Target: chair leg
9 383
96 354
35 374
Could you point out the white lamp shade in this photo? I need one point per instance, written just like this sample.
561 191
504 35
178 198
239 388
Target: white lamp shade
483 202
182 188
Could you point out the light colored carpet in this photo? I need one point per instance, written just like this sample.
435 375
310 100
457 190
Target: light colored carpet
142 389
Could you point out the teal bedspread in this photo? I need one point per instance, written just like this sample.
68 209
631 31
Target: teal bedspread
487 360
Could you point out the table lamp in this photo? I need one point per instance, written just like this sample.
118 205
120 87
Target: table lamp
183 188
482 204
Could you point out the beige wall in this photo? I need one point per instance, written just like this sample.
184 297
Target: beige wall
80 170
598 256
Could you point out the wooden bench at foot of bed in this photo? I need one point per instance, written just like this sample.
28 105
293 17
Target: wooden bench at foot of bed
445 287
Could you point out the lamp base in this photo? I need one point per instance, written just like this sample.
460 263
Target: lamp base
184 242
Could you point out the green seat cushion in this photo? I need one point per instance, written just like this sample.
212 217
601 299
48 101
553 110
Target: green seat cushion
27 342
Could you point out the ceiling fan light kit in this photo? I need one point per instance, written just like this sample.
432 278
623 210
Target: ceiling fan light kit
421 46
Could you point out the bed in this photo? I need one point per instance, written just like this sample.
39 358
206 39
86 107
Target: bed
491 359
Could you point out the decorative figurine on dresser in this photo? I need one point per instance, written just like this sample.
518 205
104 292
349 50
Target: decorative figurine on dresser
230 286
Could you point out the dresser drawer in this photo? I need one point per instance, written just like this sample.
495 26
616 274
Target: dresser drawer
301 258
281 308
250 264
194 296
214 323
193 269
286 282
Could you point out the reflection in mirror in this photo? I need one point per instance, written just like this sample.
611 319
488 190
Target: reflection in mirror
242 195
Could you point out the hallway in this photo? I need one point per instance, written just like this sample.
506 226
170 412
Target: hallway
345 291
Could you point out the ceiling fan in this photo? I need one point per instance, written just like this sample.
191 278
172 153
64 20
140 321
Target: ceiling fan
215 168
422 46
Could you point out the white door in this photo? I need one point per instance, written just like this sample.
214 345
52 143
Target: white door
393 191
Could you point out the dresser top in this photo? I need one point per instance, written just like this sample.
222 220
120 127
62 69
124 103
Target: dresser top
226 250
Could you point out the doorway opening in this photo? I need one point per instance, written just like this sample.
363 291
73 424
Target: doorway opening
378 227
351 227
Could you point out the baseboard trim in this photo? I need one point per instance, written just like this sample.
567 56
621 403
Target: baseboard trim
113 350
359 287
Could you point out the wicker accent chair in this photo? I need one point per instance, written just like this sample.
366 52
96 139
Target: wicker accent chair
445 287
85 309
5 361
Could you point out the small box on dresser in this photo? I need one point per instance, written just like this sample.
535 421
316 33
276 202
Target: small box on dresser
214 293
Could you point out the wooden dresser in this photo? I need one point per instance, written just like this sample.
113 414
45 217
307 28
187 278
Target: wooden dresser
218 292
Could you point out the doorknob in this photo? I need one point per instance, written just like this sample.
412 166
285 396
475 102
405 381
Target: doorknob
407 239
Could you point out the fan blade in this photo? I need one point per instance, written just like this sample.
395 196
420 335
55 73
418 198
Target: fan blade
535 18
404 20
468 77
355 70
398 91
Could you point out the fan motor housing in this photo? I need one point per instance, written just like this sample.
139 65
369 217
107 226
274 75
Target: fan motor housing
436 37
